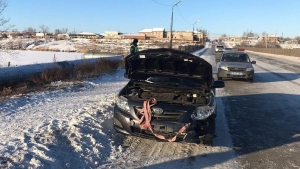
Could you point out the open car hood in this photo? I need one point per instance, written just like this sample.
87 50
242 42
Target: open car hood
168 62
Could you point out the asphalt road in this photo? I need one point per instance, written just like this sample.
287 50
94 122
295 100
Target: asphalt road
264 117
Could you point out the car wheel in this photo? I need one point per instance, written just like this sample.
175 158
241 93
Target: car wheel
220 78
251 80
207 139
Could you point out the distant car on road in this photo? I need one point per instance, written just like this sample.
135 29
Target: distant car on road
183 87
235 64
219 48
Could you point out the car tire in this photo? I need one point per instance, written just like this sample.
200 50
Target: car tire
207 139
251 80
220 78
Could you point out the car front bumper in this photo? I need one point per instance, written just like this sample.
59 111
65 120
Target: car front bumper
235 74
126 123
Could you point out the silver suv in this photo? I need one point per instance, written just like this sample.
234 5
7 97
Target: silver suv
235 64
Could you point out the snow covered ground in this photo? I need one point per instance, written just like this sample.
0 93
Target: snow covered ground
69 127
19 58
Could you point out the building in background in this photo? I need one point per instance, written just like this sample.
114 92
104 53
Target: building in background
155 33
87 35
133 36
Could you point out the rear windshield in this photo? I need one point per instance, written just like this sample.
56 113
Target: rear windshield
220 47
235 57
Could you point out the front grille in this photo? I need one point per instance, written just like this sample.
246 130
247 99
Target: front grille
236 69
147 134
169 115
236 76
166 115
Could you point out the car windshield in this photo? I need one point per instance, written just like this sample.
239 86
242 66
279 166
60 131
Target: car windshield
170 80
220 47
235 57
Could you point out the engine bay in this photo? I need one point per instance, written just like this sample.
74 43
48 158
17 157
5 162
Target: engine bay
178 95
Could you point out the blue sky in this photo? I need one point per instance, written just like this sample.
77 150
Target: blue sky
231 17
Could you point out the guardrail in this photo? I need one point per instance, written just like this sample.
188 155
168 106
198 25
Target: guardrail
21 73
190 48
276 51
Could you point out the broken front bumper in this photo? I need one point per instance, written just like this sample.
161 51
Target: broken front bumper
126 123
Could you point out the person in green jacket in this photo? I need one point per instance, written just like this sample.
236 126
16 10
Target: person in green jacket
133 46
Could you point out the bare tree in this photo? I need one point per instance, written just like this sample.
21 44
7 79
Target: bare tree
57 31
31 30
4 28
64 30
224 35
74 32
19 44
15 30
44 30
250 34
287 38
3 21
14 33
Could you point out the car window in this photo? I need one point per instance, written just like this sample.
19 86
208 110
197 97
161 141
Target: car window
235 57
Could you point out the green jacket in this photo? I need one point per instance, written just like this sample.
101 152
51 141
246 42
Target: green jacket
133 48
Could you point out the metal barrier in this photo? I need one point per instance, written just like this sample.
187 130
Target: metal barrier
21 73
276 51
190 48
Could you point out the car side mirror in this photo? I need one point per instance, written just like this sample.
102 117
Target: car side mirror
217 60
218 84
253 62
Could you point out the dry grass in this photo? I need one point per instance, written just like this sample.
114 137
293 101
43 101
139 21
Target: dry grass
7 91
77 72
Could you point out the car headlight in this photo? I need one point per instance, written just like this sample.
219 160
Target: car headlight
249 69
122 103
224 67
203 112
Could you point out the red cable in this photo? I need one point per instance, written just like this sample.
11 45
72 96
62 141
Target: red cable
145 120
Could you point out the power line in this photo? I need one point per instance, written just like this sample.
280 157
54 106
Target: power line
182 16
160 3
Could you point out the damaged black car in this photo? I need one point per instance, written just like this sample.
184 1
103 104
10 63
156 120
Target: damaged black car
170 96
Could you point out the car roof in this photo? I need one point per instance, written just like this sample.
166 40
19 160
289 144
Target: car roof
234 52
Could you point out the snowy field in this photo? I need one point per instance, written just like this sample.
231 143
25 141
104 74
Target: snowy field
18 64
19 58
72 128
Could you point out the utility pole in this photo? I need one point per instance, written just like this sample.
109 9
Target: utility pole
193 32
172 24
266 40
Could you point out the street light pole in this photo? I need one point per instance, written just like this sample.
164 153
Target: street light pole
193 31
172 23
